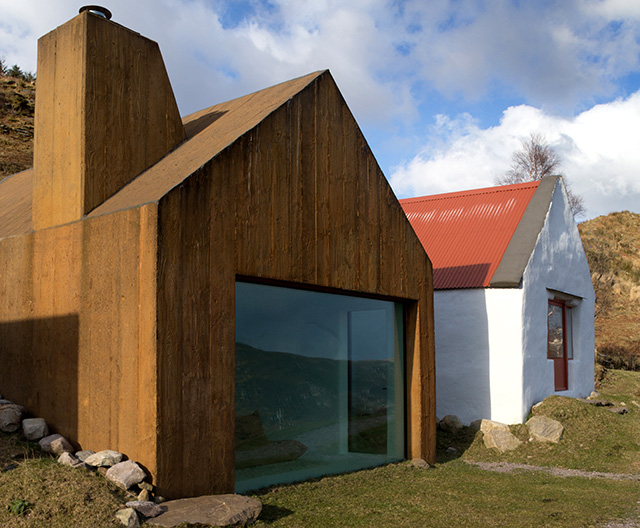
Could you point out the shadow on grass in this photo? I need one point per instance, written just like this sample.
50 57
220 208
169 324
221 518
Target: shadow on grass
271 513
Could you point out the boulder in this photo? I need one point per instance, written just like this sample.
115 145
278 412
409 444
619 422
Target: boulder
451 423
536 408
618 410
420 463
128 517
67 459
215 510
490 425
105 458
83 455
545 429
34 429
146 508
144 495
125 474
55 444
10 417
501 440
475 425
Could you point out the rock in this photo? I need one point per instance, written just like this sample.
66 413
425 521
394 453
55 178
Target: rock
594 395
9 467
475 425
618 410
159 499
105 458
83 455
545 429
146 508
34 429
10 417
56 444
501 440
536 408
145 486
67 459
128 517
452 450
420 463
144 496
5 402
216 510
126 474
451 423
490 425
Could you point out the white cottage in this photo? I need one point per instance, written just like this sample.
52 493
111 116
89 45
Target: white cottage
514 303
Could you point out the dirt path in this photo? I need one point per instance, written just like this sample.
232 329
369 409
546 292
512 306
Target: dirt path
510 467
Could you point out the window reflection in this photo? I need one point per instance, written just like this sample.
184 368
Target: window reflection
319 384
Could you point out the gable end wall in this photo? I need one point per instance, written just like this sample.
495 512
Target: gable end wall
298 199
558 262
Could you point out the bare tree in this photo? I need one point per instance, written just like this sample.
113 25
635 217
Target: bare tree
535 160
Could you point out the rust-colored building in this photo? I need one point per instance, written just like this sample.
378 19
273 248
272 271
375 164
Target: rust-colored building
159 274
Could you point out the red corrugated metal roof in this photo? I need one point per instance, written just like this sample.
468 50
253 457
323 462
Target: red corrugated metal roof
466 233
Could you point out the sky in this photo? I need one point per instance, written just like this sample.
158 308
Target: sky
443 90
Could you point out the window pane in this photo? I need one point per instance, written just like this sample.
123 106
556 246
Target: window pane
568 330
556 334
319 384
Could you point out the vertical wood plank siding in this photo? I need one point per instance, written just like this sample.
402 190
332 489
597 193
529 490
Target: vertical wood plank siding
105 112
301 199
77 329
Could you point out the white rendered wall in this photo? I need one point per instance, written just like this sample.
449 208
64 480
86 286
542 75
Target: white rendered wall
478 337
558 263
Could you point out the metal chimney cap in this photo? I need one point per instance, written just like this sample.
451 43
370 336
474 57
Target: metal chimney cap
97 10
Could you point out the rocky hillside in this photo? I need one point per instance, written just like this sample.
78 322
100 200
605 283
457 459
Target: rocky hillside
17 103
612 244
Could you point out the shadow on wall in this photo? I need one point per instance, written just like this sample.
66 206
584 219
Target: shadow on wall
463 380
39 369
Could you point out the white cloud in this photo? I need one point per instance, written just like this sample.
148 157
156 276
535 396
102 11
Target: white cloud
389 58
599 149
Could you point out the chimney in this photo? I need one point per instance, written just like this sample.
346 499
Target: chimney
105 112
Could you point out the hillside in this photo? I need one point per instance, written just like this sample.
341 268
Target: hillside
612 244
17 102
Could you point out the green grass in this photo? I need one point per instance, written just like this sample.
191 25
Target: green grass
41 492
452 494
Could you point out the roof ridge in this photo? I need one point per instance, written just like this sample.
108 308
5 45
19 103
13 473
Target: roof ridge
471 192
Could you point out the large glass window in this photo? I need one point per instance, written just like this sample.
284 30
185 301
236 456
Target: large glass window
319 384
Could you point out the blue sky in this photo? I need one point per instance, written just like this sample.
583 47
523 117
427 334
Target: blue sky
444 90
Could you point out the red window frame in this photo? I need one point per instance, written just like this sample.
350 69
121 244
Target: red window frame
560 363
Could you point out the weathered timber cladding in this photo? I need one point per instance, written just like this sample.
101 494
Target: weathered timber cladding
105 112
299 199
77 329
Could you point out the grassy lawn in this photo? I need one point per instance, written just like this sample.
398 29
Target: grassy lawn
454 493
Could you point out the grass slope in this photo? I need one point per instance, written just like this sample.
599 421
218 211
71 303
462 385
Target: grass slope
612 245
